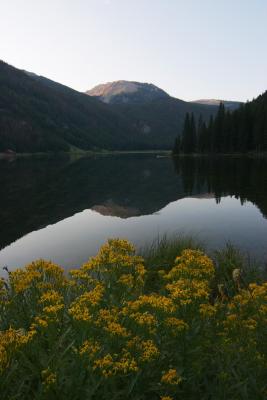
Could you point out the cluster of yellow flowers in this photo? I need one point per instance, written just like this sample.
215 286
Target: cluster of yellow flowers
176 325
112 365
90 348
153 302
144 318
40 274
10 341
171 377
116 328
247 310
189 280
82 308
192 264
48 378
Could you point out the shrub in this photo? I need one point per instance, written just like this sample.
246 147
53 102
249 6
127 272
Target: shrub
101 334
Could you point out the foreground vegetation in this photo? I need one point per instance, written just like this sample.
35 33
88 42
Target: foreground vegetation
173 325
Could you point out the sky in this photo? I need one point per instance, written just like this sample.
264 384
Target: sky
193 49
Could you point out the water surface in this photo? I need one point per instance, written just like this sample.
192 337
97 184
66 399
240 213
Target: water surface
64 209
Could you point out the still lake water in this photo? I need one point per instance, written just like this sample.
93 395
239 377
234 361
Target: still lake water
65 209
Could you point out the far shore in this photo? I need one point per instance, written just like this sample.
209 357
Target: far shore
160 153
83 153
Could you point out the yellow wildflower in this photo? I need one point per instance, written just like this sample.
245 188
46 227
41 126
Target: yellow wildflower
207 310
22 280
126 280
171 377
90 348
105 365
144 318
116 329
35 273
106 316
39 322
51 296
194 264
149 350
250 324
11 340
232 317
155 301
53 309
80 308
186 290
177 325
111 365
48 378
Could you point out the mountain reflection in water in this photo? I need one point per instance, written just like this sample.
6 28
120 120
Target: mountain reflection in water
137 196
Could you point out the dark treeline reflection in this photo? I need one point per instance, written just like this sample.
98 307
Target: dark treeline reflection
244 178
39 192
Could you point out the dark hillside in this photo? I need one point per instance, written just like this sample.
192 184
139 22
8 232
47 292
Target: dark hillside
39 115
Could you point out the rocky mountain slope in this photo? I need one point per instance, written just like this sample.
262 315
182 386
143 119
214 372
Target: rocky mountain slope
124 92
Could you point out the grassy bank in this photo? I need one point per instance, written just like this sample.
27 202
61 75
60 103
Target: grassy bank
173 324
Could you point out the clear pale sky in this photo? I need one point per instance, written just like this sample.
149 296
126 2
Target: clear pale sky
191 48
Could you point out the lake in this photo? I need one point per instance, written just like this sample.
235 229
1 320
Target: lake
64 209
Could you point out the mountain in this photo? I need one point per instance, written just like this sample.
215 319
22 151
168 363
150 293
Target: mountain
124 92
230 105
39 115
160 121
150 111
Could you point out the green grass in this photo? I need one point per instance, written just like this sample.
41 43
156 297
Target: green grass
162 252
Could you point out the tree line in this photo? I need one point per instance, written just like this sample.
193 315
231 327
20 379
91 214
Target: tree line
241 131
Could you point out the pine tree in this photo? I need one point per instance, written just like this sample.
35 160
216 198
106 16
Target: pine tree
177 146
201 136
219 129
209 143
193 134
186 145
243 130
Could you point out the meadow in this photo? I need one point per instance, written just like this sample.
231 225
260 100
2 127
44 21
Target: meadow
174 323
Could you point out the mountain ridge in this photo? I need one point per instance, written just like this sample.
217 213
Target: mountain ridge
40 115
123 91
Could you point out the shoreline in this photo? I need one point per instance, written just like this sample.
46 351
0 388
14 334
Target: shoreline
82 153
233 155
164 153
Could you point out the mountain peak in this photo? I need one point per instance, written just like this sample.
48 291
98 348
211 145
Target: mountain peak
122 91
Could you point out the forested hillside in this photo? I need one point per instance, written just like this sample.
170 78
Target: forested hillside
160 120
241 131
150 111
39 115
